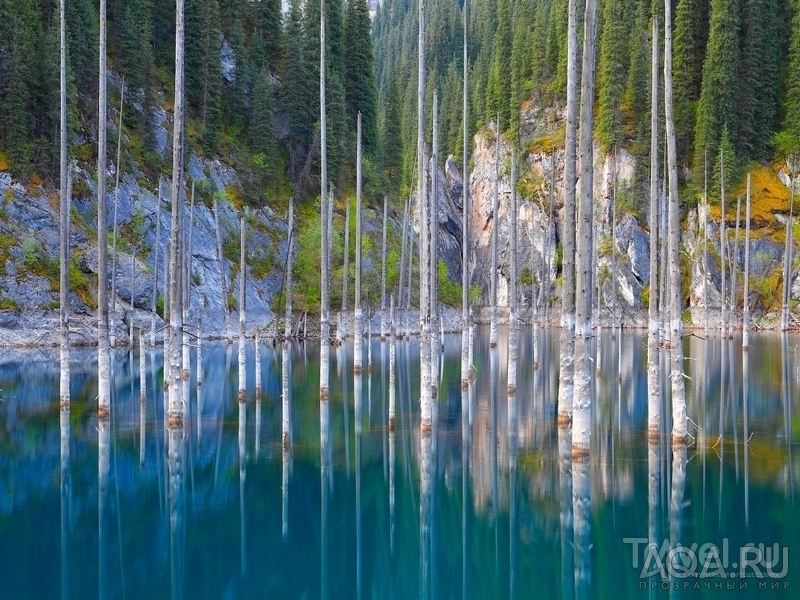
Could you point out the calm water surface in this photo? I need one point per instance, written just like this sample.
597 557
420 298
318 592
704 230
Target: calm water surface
489 506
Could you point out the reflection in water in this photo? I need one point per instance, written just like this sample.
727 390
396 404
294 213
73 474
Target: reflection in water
581 507
357 419
242 478
176 459
66 499
325 479
103 467
565 515
286 433
676 503
505 491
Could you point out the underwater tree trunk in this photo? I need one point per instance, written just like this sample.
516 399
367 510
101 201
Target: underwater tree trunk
358 337
383 269
242 308
495 227
679 419
63 217
582 404
511 383
746 299
465 218
103 353
323 151
567 358
653 374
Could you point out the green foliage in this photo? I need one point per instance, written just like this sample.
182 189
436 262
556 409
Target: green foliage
449 290
612 68
37 261
359 75
306 267
7 303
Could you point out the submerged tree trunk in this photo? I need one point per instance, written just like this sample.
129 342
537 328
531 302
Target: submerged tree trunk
746 298
495 227
357 331
581 430
63 217
511 383
383 269
176 251
103 355
705 240
341 333
679 419
242 309
723 251
323 151
426 415
113 335
567 359
156 246
391 365
653 375
287 322
403 252
465 217
787 260
433 205
222 277
734 266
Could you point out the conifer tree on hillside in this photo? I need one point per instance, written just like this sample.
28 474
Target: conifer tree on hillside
204 68
612 67
791 107
719 91
359 73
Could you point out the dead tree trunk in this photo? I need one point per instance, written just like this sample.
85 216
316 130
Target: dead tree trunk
511 383
653 375
341 332
113 335
176 251
64 201
465 219
581 429
424 264
357 332
287 321
323 151
434 225
222 276
242 309
383 269
495 227
103 356
567 358
746 299
679 419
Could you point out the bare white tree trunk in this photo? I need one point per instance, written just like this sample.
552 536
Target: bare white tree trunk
679 419
787 260
567 358
705 238
242 309
495 227
511 384
734 266
341 332
257 349
358 332
566 519
199 357
723 250
142 370
113 335
391 365
64 203
582 403
403 251
103 353
746 299
222 276
287 321
156 247
286 390
323 150
383 269
433 216
465 279
424 261
653 375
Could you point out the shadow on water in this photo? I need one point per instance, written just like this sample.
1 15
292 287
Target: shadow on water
282 494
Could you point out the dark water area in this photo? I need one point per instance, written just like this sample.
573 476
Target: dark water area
490 505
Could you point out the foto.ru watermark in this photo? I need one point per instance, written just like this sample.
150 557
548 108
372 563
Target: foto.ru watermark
679 561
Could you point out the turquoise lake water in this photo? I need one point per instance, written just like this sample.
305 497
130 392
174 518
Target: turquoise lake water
490 505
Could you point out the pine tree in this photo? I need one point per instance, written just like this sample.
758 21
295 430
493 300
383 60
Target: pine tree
392 135
359 78
297 92
720 86
689 51
262 123
203 68
266 16
791 107
498 89
612 72
758 78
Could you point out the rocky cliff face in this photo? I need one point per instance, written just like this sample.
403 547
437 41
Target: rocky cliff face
29 251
